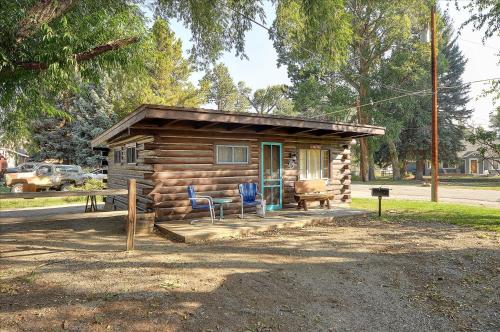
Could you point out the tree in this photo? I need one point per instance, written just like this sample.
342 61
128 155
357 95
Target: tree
96 106
167 71
91 112
271 100
484 14
360 35
48 46
221 90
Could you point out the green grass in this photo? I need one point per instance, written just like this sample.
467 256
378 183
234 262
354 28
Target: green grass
38 202
466 182
458 214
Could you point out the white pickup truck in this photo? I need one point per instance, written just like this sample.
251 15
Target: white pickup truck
46 176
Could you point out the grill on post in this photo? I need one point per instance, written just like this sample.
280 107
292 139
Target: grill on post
380 192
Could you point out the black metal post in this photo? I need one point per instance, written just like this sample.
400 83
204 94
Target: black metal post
380 206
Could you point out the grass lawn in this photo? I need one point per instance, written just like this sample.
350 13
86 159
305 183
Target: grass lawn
39 202
458 214
467 182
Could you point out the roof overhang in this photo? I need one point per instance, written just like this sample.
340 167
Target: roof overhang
148 118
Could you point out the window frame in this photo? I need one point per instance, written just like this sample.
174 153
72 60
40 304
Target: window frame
307 163
118 152
132 146
232 146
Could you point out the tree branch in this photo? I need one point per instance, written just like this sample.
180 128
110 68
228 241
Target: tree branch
44 11
83 56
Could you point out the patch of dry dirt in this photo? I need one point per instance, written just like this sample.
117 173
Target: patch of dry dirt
349 275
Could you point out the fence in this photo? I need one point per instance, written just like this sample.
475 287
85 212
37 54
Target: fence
131 213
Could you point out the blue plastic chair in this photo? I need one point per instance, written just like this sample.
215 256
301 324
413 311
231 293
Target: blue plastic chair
248 194
193 198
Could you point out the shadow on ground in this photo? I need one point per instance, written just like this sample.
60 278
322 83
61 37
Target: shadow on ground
354 274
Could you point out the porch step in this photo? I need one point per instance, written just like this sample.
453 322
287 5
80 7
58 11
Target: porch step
203 230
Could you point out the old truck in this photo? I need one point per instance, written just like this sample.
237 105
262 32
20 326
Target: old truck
46 176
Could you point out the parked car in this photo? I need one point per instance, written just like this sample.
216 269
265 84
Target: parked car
98 174
46 176
25 167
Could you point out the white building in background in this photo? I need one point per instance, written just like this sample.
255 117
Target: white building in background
14 157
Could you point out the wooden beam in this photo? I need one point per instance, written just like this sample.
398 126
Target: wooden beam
295 131
170 123
268 129
206 125
240 127
131 216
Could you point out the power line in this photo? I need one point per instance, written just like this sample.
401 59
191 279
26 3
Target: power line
425 92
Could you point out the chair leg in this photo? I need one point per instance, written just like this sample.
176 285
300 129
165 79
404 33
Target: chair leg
212 214
241 210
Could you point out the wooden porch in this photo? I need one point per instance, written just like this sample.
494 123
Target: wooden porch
233 226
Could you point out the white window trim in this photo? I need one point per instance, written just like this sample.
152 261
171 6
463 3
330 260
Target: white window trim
470 163
231 162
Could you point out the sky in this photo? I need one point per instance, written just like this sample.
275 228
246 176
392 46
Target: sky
261 69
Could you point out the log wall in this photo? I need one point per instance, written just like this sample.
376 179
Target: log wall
171 160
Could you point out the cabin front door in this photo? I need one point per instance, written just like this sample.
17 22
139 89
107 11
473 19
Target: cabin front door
271 174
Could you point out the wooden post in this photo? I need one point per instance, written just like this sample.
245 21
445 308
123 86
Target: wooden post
131 217
435 135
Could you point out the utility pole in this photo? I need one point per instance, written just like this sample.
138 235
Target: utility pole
434 146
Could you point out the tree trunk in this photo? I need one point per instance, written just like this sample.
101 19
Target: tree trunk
363 146
420 166
371 167
402 169
393 153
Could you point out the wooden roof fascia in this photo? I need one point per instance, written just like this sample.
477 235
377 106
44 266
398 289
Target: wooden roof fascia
125 123
218 116
212 118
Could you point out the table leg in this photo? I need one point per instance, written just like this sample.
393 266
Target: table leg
221 212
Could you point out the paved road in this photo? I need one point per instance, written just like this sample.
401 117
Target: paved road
489 198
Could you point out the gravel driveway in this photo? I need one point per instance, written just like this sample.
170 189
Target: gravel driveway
354 274
489 198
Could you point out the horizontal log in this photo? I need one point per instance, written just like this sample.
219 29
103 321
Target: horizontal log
159 189
203 167
179 146
185 153
183 196
205 181
44 194
203 174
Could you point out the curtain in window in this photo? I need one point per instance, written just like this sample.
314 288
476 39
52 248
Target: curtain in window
314 164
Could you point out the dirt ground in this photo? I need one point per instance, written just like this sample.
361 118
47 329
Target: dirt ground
345 275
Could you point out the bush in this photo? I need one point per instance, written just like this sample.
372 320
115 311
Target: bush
90 184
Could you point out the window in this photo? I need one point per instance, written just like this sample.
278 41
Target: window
117 157
44 170
314 164
231 154
131 154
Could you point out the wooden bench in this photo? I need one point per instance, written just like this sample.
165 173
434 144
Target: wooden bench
311 190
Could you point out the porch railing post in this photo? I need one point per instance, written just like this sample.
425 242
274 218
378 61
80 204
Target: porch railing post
131 217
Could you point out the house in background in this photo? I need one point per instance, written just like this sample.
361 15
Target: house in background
169 148
14 157
473 164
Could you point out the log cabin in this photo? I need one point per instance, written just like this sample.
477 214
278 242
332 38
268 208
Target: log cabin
168 148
